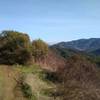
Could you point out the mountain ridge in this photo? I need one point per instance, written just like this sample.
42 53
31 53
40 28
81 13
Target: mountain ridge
87 45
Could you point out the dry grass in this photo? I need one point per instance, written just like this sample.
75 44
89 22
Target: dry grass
9 75
7 82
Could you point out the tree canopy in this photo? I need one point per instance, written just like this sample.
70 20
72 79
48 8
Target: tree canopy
39 49
14 47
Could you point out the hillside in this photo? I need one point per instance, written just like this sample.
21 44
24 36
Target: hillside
32 70
81 80
96 52
33 78
64 52
81 44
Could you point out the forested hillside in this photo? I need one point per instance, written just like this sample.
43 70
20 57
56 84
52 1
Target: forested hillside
87 45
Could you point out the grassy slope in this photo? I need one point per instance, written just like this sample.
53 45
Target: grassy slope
7 82
33 76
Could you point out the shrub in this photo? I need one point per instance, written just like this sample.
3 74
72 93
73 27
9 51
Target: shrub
26 89
39 49
15 47
80 80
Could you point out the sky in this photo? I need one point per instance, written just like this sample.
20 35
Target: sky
52 20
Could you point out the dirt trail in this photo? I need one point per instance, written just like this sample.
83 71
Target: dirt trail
8 83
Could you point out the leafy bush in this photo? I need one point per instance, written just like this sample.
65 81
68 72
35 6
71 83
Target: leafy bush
52 76
26 89
39 49
15 47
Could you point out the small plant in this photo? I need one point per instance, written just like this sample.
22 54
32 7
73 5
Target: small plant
47 92
26 89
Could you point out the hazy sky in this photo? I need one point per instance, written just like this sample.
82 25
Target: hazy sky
52 20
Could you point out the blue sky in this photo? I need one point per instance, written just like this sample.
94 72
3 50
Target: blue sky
52 20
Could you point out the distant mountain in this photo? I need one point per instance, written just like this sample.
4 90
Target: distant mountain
96 52
64 52
87 45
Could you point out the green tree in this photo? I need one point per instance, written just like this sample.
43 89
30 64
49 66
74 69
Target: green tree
39 49
15 47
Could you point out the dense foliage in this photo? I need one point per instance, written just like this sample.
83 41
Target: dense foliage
16 48
39 49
